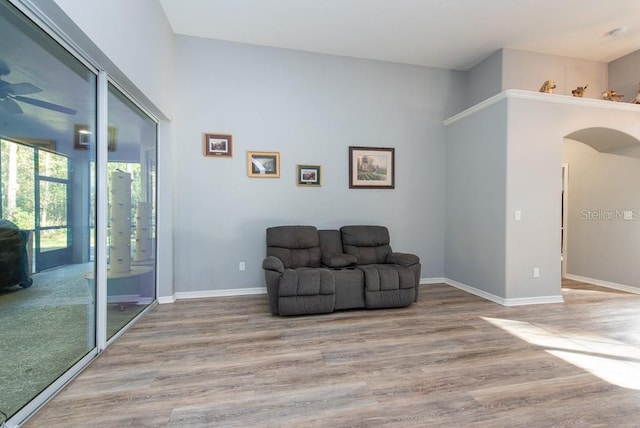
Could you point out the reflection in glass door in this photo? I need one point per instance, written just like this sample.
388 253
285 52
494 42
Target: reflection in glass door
131 281
47 325
52 200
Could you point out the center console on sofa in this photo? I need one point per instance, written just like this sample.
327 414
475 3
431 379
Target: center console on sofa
311 271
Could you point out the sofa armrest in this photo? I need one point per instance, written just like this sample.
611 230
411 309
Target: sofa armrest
273 263
403 259
338 260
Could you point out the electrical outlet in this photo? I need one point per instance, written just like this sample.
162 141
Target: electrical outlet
241 266
536 272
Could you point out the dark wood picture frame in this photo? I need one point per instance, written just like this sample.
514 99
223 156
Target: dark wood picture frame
371 167
218 145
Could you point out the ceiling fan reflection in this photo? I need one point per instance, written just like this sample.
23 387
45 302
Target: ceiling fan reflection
12 93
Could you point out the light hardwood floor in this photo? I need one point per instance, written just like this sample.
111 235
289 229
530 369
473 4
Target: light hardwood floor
451 360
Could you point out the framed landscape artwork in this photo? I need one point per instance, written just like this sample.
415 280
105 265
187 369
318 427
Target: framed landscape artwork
308 175
218 145
263 164
371 168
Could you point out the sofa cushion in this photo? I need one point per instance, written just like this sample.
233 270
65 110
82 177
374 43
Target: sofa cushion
388 286
273 263
305 305
387 277
403 259
295 246
369 244
330 241
338 260
306 282
306 291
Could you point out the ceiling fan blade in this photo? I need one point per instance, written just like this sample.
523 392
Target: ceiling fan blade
22 88
4 68
44 104
10 106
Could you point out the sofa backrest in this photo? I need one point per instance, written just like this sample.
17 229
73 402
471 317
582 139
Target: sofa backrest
330 242
369 244
295 246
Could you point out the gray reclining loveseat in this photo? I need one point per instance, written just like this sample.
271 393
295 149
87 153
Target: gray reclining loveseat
311 271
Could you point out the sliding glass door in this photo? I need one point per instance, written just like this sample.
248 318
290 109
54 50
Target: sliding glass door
131 170
46 308
54 176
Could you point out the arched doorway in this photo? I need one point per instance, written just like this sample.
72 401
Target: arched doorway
601 229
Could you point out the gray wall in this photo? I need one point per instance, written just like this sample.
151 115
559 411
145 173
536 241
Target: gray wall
485 79
128 39
310 108
534 187
528 70
623 75
601 244
485 246
515 69
538 125
475 200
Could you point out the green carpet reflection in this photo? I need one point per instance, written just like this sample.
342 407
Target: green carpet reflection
44 331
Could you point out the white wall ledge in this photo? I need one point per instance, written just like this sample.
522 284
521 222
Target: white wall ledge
541 96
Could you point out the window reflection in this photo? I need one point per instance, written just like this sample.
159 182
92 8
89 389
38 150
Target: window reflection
131 229
46 207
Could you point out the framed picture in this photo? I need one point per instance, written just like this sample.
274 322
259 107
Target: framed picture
371 168
218 145
111 136
308 175
81 137
263 164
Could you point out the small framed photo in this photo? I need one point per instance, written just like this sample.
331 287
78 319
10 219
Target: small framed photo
263 164
371 168
111 136
81 137
218 145
309 175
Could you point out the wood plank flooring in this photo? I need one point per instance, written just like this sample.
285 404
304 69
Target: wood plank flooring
451 360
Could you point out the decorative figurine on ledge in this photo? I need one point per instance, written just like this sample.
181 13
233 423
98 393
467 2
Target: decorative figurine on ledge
612 95
548 86
579 91
636 100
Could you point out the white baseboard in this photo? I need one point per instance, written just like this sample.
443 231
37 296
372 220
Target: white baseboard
541 300
163 300
424 281
607 284
220 293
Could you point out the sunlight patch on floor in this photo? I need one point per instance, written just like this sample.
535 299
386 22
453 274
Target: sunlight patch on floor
611 360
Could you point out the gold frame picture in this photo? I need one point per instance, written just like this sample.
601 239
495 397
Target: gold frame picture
263 164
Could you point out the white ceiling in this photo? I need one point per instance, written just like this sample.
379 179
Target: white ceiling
453 34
